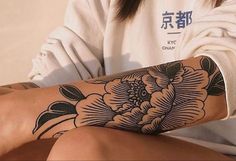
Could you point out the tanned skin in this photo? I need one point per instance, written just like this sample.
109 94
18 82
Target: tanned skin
151 100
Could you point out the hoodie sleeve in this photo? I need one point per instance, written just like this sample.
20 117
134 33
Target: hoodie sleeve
73 51
214 35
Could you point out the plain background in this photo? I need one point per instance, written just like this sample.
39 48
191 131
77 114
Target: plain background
24 26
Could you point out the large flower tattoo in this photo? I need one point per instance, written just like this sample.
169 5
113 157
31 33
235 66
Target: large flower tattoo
151 100
168 97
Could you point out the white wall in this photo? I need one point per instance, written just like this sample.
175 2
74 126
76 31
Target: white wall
24 25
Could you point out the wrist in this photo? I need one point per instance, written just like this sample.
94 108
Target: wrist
14 122
43 109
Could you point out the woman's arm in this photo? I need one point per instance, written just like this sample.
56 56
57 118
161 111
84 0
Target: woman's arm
150 101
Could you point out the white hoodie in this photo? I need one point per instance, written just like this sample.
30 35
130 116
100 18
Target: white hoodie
92 43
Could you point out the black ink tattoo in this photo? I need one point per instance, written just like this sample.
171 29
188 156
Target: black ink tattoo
21 86
150 101
216 86
72 93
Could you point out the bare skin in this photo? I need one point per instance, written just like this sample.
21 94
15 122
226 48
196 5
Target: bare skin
125 146
36 150
106 144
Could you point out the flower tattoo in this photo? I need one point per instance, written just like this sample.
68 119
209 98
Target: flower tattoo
160 99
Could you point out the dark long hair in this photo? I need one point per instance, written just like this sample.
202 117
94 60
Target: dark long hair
126 9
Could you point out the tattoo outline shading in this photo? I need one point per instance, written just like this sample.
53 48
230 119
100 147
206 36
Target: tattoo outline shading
25 85
160 99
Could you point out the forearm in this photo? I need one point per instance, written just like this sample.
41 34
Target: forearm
150 100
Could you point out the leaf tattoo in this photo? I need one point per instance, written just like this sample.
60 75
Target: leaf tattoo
216 86
72 93
55 110
60 108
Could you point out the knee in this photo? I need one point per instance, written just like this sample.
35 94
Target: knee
85 143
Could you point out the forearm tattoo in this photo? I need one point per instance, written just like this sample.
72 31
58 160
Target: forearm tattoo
150 101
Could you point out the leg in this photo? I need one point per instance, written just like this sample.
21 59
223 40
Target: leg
37 150
91 143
